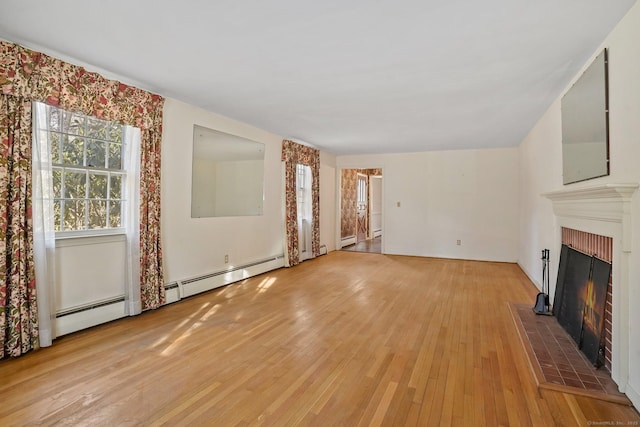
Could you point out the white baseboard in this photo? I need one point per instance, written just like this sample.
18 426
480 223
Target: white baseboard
533 280
633 396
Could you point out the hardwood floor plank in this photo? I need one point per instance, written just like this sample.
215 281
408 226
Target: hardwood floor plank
345 339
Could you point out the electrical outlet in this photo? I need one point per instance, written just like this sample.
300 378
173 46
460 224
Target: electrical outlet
458 242
226 259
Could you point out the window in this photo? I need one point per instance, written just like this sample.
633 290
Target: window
303 199
362 191
88 177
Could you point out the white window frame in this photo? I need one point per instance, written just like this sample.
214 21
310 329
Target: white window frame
108 172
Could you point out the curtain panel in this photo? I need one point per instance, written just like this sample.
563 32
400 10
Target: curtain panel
292 155
18 306
34 76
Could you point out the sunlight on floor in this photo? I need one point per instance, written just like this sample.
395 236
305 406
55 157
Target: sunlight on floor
266 284
175 342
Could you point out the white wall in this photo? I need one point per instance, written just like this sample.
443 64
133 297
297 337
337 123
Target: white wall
196 246
445 196
88 270
541 170
328 200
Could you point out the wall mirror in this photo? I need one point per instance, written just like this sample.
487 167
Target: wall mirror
227 175
585 125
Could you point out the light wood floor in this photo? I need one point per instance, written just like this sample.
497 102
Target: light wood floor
346 339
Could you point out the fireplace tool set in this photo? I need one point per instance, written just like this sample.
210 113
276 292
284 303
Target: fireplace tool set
542 299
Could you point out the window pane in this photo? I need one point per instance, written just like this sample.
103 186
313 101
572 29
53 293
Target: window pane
74 214
95 153
55 117
115 132
115 156
85 196
115 214
116 187
97 214
72 150
54 142
56 215
74 185
57 183
73 123
97 186
97 128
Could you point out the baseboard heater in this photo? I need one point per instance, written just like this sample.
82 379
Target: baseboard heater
346 241
195 285
81 317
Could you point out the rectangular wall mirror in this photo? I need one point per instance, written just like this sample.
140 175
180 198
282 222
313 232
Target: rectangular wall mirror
227 175
585 125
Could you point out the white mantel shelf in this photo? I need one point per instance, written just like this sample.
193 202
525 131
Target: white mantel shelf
621 192
606 202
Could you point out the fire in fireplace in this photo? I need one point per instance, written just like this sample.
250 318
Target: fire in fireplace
580 298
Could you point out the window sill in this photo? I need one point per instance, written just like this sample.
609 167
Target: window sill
90 239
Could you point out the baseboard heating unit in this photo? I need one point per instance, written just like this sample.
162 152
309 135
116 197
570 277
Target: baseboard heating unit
346 241
88 315
195 285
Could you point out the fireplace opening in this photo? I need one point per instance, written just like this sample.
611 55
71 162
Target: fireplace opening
598 250
580 298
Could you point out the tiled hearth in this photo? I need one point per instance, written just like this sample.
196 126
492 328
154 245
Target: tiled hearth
557 362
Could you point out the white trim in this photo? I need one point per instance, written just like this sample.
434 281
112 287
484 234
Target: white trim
89 240
633 395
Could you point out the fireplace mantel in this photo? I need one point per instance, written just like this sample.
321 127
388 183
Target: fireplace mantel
606 202
602 203
606 210
604 191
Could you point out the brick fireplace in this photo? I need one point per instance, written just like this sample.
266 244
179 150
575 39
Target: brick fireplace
587 218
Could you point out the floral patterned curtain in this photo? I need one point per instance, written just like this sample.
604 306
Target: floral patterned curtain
34 76
18 308
292 155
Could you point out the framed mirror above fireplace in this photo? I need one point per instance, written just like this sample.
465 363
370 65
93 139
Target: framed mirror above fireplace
585 124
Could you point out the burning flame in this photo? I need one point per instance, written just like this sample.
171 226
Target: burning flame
591 319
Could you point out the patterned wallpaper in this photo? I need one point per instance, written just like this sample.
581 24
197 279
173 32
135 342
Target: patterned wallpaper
349 198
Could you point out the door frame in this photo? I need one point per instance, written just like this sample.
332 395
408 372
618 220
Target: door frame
338 228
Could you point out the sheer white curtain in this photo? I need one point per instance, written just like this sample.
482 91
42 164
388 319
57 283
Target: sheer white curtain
132 219
304 210
43 227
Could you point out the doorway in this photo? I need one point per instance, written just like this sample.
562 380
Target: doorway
361 210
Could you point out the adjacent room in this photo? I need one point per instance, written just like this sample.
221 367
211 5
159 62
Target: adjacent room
330 213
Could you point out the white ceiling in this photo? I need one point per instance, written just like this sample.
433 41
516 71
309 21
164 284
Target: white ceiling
348 76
